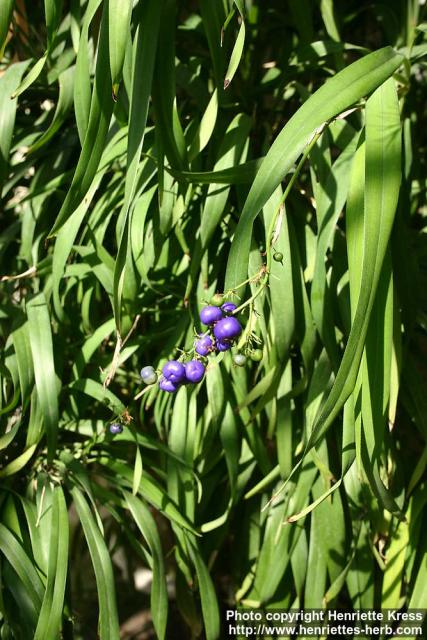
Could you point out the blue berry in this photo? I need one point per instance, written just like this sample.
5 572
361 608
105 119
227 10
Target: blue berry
168 385
116 428
204 345
210 314
174 371
227 328
228 307
194 371
223 345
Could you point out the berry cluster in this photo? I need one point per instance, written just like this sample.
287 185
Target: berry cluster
224 328
223 331
176 373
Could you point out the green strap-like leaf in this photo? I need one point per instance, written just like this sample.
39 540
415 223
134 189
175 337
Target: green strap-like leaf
119 15
208 597
101 560
241 174
96 391
395 562
336 95
382 169
152 491
213 16
329 206
53 10
82 89
205 129
101 109
24 360
275 553
6 8
8 83
44 368
21 563
18 463
65 102
143 67
159 596
49 623
230 152
31 77
237 52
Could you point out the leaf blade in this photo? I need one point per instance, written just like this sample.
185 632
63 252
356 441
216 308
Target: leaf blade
341 91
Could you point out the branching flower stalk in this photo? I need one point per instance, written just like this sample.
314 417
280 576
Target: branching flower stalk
248 329
264 272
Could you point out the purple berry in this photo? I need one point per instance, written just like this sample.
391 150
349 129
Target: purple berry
116 428
194 370
174 371
204 345
223 345
228 307
210 314
227 328
168 385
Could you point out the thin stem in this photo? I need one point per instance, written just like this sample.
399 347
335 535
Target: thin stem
275 217
144 391
287 191
239 286
247 330
120 343
255 295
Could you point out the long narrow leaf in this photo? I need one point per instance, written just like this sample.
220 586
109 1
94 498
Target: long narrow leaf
108 619
49 622
340 92
44 371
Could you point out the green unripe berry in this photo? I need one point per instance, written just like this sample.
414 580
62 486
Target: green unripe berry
148 375
278 256
217 300
239 359
256 355
151 379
